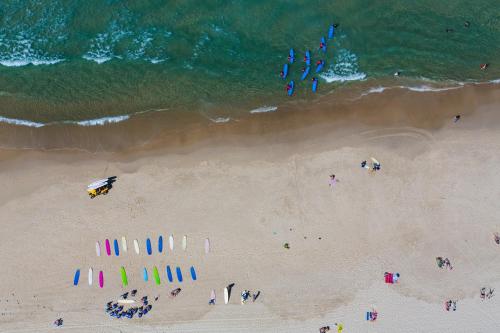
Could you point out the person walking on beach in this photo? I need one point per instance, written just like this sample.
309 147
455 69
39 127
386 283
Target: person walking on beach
332 181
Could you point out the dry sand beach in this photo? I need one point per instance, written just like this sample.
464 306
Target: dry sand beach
435 195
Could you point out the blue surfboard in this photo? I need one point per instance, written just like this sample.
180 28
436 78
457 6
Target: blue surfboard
169 274
292 87
305 73
148 246
324 44
117 248
160 244
179 273
291 56
315 85
320 66
77 277
285 71
307 58
193 273
331 32
145 274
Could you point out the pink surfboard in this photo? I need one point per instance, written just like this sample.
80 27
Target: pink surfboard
101 279
108 247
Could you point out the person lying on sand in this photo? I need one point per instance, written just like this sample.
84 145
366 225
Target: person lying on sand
324 329
175 292
496 237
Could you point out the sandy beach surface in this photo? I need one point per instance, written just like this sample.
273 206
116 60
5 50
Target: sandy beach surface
435 195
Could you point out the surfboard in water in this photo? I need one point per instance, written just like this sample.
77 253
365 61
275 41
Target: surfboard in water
193 273
124 276
101 279
124 244
136 246
171 242
91 278
184 243
156 275
160 244
226 295
77 277
148 246
169 274
108 247
179 273
117 248
145 274
98 249
207 245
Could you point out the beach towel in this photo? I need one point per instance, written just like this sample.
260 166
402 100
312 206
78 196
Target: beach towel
389 278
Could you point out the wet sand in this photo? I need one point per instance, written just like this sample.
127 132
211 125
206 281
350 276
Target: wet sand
250 186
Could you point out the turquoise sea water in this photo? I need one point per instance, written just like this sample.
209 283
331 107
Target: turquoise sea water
63 60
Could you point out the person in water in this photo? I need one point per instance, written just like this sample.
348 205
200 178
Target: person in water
321 45
319 62
282 74
306 58
484 66
288 87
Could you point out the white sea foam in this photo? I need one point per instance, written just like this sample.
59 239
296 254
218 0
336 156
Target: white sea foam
20 122
102 121
426 88
220 119
495 81
264 109
344 68
13 62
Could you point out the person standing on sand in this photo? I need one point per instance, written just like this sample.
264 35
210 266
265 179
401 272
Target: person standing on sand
332 181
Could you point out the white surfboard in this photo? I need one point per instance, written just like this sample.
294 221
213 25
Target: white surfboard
171 242
226 295
98 183
184 243
212 295
136 246
374 160
207 245
126 301
98 249
90 276
124 244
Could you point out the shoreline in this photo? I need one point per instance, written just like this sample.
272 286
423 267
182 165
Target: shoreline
170 129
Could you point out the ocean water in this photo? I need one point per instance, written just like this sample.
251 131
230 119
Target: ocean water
94 62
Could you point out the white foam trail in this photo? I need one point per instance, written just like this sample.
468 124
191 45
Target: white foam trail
495 81
99 60
20 122
264 109
25 62
102 121
426 88
219 120
330 77
344 68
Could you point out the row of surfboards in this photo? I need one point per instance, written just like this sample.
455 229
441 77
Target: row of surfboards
145 275
149 245
307 59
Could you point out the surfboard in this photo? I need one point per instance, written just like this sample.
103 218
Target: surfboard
193 273
124 276
98 183
148 246
179 273
136 246
285 71
331 32
291 54
324 44
101 279
156 275
184 243
212 295
98 249
124 244
307 58
374 160
171 242
160 244
320 66
77 277
108 247
169 274
145 274
315 85
126 301
117 248
207 245
90 276
292 87
226 295
305 73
